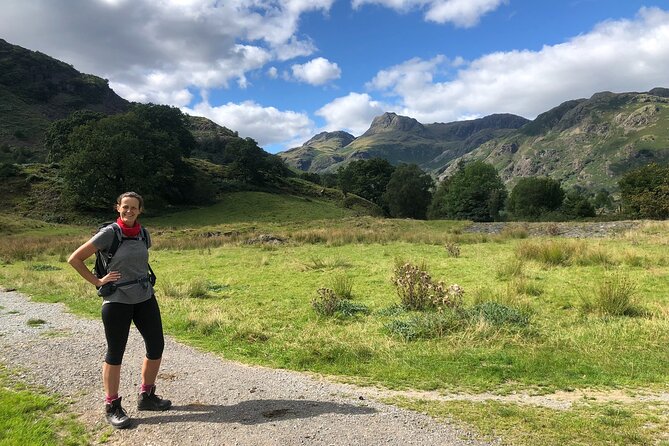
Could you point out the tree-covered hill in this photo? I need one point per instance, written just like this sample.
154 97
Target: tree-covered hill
69 145
36 89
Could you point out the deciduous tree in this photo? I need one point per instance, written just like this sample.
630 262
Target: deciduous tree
534 196
408 192
475 192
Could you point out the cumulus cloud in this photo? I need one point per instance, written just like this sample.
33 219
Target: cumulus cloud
155 50
462 13
316 72
353 113
622 55
267 125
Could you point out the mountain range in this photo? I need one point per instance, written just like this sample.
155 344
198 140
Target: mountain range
585 142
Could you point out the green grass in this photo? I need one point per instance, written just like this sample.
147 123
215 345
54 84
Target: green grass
266 293
586 423
30 417
523 329
267 208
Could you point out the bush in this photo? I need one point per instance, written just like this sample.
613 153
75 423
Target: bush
8 170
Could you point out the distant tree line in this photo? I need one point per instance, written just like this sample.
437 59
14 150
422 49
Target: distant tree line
476 192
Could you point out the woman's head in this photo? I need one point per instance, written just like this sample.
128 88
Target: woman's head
129 205
135 195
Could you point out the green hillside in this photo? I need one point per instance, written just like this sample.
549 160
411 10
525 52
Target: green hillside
36 89
590 142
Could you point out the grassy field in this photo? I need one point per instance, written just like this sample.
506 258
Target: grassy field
28 416
538 315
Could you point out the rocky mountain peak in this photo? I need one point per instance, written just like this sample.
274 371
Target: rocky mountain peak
344 138
389 122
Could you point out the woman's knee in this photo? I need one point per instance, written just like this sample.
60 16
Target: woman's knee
155 347
114 357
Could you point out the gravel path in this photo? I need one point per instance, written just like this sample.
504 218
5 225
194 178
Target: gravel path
216 402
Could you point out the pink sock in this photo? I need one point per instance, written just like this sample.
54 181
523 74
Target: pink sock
146 388
110 398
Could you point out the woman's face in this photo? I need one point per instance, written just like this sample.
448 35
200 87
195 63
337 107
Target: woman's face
129 210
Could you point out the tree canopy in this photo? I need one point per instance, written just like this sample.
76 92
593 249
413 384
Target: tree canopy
408 192
130 151
475 192
577 205
645 192
366 178
533 197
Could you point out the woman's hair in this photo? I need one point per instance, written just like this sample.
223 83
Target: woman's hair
131 195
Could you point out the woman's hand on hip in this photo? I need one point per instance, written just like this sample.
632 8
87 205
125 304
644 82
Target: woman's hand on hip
112 276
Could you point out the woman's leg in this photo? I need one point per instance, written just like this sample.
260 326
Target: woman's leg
111 379
116 319
150 369
148 322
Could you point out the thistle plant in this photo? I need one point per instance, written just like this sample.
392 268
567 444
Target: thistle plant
417 290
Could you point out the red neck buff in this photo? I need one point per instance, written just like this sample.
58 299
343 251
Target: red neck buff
129 231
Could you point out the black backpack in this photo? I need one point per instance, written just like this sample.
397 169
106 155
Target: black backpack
103 258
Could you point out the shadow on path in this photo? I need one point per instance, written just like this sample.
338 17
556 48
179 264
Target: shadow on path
250 412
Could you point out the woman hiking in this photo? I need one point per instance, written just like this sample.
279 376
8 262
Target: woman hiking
127 297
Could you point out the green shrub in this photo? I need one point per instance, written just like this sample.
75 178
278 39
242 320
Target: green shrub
8 170
427 325
498 314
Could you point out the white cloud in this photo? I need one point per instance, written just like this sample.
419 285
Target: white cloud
317 71
623 55
267 125
272 73
156 49
462 13
353 113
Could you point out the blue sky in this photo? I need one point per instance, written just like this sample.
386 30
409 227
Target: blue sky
282 71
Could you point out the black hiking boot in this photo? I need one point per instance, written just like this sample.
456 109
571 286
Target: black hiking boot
151 401
115 414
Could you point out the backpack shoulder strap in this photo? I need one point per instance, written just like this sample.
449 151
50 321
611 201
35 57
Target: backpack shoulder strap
118 238
145 237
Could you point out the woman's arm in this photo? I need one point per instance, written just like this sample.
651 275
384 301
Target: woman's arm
77 259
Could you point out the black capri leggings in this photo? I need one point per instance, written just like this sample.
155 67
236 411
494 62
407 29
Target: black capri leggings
116 318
